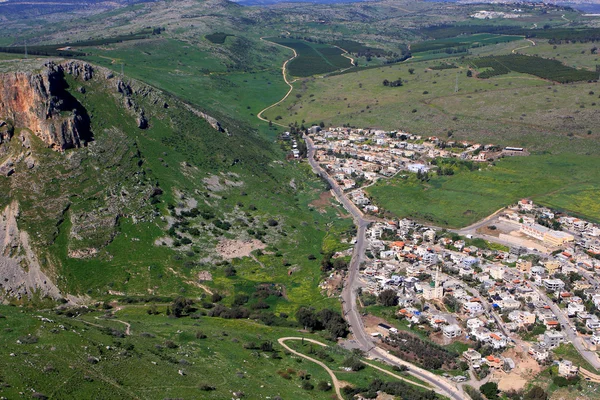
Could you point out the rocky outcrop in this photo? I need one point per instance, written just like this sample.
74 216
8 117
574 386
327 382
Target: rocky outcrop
40 102
15 253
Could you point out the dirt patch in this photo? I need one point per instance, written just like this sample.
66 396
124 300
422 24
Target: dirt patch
439 338
323 200
213 183
229 248
526 369
204 276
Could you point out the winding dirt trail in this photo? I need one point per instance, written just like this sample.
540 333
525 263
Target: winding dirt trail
334 380
289 83
524 47
127 326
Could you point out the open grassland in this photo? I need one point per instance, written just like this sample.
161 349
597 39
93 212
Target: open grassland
163 357
313 58
576 55
513 109
561 181
237 79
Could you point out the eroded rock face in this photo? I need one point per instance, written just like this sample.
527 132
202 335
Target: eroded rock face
15 252
40 103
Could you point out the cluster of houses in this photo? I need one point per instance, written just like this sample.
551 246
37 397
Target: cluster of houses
527 214
409 258
355 156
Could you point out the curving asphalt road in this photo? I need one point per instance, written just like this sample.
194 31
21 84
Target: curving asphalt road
349 293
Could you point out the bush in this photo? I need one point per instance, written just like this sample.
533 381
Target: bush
306 385
324 386
353 363
240 299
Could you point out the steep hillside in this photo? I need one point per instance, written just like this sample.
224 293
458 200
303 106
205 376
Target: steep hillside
113 188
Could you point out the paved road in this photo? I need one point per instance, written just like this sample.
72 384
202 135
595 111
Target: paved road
349 293
575 339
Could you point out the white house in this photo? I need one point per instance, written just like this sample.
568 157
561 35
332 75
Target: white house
567 369
474 323
473 307
553 284
451 331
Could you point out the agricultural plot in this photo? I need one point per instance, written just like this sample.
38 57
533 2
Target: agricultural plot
461 44
313 58
359 49
64 49
546 69
217 37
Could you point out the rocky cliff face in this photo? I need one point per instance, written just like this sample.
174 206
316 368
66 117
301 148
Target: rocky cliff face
40 103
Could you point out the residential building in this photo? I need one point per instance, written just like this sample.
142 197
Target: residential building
472 357
553 284
539 353
524 265
553 338
473 307
451 331
474 323
567 369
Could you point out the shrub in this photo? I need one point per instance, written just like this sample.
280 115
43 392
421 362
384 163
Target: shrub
353 363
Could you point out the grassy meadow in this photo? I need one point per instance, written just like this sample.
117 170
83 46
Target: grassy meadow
559 181
90 357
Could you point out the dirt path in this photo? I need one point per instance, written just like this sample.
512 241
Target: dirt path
127 326
587 374
289 83
524 47
336 383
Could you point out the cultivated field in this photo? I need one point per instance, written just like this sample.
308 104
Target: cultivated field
313 58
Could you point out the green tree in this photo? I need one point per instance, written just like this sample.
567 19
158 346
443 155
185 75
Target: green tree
388 298
490 390
536 393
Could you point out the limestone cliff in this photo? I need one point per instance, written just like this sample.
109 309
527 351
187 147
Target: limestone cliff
39 102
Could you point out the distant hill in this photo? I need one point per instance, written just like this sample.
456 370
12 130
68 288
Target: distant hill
25 9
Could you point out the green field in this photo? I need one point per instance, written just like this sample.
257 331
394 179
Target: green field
461 43
71 359
511 110
562 181
313 58
552 70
